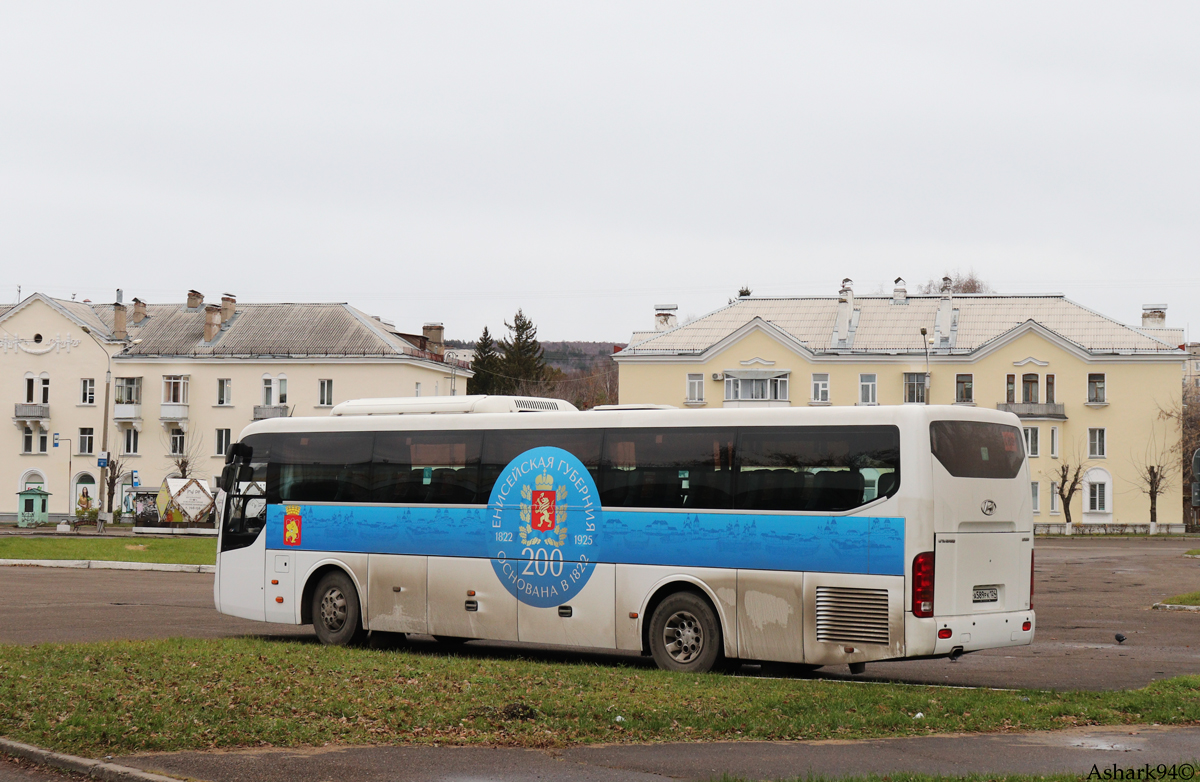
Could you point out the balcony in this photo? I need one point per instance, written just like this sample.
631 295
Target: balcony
270 411
173 411
29 412
1032 410
127 412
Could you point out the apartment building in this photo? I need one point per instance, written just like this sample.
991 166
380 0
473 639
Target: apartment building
153 383
1088 390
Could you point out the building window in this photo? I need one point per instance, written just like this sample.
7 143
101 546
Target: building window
1097 448
914 387
222 442
417 390
224 391
1049 389
268 397
1054 442
86 439
1054 496
1034 488
27 443
867 390
964 389
756 388
87 391
129 391
178 445
131 440
695 388
45 389
281 382
820 388
1010 389
1031 440
175 389
29 389
325 393
1096 497
1096 389
1029 389
43 440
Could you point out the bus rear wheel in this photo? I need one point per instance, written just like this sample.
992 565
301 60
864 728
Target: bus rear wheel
335 610
685 634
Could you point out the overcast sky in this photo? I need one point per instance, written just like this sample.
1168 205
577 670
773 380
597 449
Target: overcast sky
453 162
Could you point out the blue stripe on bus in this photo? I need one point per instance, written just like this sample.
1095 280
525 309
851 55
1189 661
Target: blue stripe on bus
829 544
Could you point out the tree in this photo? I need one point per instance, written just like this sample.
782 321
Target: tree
1070 480
112 478
1154 473
742 292
186 460
959 283
524 362
486 364
1186 416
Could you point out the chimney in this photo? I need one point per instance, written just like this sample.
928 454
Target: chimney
228 307
899 293
139 310
845 311
212 322
120 296
120 328
1154 316
434 334
945 311
664 316
195 300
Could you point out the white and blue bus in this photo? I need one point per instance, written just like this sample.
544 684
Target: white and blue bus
821 536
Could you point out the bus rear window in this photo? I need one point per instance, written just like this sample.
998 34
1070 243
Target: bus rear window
971 449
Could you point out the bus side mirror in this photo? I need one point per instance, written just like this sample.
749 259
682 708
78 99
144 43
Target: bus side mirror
238 452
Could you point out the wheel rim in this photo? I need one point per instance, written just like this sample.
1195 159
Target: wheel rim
333 609
683 637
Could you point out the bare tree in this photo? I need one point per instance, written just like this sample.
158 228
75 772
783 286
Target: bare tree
1068 474
1154 472
186 459
1185 415
959 283
112 479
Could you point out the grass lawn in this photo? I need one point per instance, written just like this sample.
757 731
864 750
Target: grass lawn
907 777
1188 599
181 551
176 694
1194 552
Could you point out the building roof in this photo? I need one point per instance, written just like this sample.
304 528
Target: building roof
281 330
881 325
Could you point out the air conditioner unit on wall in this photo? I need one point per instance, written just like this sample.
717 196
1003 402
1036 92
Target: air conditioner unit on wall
717 376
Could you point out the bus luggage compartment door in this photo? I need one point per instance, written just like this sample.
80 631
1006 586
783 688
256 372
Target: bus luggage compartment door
981 572
467 600
584 619
396 594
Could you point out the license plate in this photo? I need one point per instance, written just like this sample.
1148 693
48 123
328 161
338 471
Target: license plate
986 595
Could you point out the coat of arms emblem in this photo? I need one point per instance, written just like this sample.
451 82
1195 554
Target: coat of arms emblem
291 526
541 513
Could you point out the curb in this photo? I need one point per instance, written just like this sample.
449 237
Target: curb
96 769
1192 556
98 564
1174 607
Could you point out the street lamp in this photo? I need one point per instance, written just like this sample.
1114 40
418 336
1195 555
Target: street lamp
104 431
926 342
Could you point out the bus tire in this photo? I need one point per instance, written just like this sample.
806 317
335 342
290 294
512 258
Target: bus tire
335 611
685 634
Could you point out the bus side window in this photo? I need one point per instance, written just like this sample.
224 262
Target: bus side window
323 466
439 468
500 447
667 468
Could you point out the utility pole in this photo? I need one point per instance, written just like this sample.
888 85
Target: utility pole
925 342
104 431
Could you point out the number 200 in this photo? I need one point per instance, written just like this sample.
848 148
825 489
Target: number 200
541 562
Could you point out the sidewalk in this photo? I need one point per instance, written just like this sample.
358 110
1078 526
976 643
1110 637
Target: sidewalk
1074 750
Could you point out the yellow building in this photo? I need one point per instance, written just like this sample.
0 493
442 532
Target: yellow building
1088 390
185 379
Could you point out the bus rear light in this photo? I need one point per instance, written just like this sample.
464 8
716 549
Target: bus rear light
922 584
1027 625
1030 581
945 633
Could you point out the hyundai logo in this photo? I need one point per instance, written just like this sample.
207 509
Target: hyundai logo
988 507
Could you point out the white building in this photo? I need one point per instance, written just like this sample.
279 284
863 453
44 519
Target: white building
185 379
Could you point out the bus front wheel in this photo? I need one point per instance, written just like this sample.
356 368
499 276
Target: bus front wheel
335 610
685 634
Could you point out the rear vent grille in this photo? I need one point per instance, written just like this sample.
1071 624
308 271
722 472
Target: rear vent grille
535 404
852 616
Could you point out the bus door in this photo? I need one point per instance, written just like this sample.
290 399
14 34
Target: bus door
241 557
983 521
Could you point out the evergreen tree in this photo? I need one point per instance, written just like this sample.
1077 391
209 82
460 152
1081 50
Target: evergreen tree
524 362
486 363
